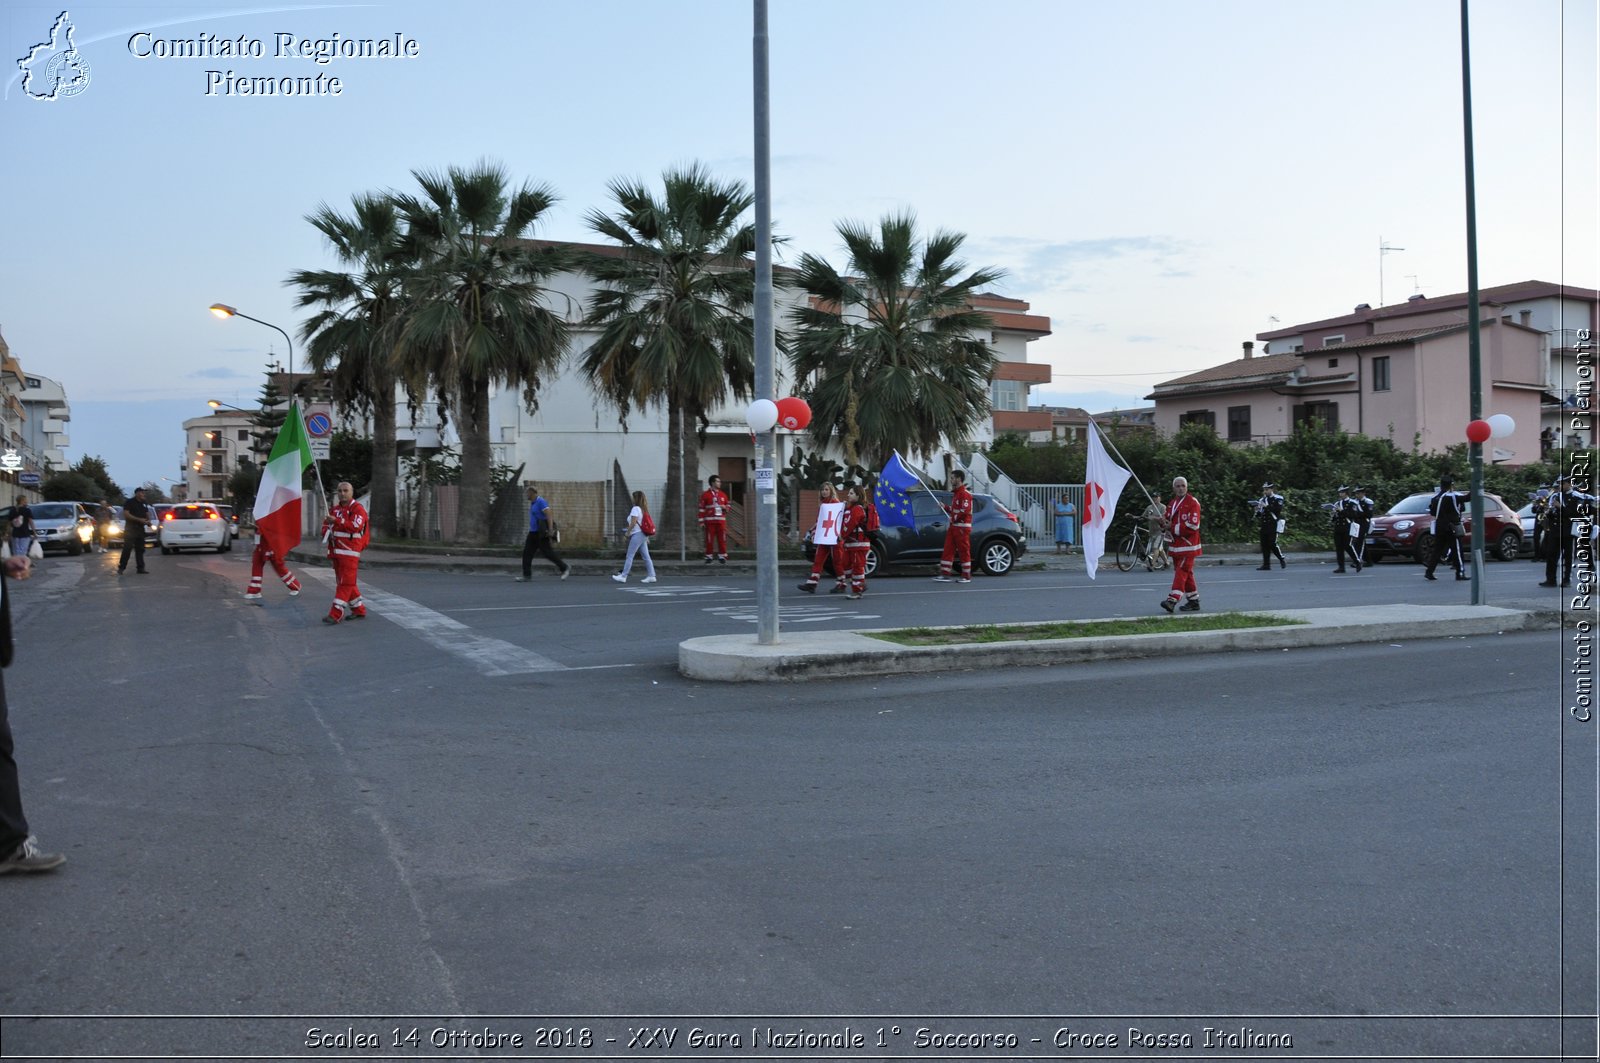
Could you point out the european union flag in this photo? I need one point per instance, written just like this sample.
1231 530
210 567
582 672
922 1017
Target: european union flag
894 506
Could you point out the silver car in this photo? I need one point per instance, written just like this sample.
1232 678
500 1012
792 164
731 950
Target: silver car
62 526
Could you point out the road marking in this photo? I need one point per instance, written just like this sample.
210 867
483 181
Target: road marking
490 655
794 614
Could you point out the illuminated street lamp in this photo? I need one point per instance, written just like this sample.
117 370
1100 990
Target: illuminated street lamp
224 311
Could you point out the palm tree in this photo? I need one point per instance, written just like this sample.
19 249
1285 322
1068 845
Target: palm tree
476 312
673 310
889 352
351 337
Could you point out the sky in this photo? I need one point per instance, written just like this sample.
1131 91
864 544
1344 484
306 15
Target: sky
1163 179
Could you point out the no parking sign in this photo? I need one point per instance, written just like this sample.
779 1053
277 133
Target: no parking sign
319 429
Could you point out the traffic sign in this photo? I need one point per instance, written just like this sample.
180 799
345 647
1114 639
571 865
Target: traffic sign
29 478
319 429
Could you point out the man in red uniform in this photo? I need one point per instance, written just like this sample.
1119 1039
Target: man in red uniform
958 537
346 531
259 557
714 519
1181 527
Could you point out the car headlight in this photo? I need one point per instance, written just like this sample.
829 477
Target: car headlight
1402 525
85 533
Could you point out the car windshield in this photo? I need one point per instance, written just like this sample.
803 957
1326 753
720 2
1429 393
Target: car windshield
52 511
1411 505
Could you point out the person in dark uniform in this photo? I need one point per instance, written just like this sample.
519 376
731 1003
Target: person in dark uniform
135 518
1446 509
1346 512
1368 509
1269 520
1561 509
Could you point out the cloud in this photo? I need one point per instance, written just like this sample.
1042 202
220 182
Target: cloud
219 372
1078 265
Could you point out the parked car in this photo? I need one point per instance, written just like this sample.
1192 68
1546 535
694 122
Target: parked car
1404 531
62 526
1530 537
193 526
997 538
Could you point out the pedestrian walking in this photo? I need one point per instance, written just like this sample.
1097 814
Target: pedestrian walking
1269 524
1180 526
346 531
1447 523
640 528
135 519
22 531
825 537
1562 509
860 521
1346 523
1066 524
714 520
541 528
957 537
260 558
19 849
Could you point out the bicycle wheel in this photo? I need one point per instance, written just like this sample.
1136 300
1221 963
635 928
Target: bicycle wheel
1128 552
1159 558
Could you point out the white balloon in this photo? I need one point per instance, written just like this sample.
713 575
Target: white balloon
1501 425
762 415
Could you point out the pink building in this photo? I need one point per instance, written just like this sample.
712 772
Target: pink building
1403 372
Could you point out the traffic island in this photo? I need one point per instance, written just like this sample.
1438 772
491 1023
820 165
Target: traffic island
740 658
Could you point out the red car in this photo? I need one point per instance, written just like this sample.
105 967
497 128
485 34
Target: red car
1404 531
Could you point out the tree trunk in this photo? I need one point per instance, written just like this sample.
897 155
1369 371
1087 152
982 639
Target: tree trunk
477 459
682 492
384 450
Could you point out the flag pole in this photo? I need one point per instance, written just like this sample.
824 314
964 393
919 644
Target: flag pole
907 466
1106 439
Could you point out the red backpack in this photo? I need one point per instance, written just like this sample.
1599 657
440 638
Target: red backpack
647 525
872 517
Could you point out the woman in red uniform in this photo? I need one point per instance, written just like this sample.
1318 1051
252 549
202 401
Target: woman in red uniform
857 541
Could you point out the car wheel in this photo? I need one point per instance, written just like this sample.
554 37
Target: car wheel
874 559
74 548
1424 549
166 550
1509 545
997 557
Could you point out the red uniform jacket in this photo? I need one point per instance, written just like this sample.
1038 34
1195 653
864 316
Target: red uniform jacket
347 530
855 526
1183 524
713 505
960 508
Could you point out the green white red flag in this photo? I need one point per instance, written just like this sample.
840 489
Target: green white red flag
1103 481
277 512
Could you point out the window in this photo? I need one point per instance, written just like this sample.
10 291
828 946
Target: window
1332 341
216 463
1205 417
1319 416
243 435
1380 373
1333 363
1238 424
1006 395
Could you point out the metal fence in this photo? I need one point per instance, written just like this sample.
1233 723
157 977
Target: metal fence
1035 505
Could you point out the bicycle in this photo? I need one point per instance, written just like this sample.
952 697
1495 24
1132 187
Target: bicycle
1137 547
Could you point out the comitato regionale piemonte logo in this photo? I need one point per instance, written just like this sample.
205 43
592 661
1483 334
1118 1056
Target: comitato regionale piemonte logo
55 69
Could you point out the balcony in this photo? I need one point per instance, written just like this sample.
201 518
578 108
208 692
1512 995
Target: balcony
1022 421
1026 372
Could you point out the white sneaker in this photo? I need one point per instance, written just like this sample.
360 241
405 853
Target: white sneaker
964 580
566 572
942 579
648 579
620 578
252 596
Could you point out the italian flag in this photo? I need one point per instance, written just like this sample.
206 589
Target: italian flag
277 511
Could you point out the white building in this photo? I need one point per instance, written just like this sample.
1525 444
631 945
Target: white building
214 447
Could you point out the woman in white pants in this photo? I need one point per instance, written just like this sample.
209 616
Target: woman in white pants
638 541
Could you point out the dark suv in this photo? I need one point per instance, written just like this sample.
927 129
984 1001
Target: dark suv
997 539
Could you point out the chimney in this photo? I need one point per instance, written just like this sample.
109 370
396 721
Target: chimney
1249 348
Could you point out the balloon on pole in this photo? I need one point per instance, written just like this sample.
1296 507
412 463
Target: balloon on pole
761 415
1501 425
794 414
1478 431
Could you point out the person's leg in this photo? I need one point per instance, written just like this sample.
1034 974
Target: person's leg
258 557
649 565
633 548
822 554
13 824
527 557
964 547
947 556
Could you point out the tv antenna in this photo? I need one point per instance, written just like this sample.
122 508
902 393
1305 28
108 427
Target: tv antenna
1383 249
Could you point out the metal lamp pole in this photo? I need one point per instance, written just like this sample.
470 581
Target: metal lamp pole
765 342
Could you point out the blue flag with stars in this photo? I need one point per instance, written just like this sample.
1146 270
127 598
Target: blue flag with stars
894 505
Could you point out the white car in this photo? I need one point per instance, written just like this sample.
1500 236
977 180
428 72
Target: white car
193 526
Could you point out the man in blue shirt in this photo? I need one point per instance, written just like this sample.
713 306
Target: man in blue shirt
538 540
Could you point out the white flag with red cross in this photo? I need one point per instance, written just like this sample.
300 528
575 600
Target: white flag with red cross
1103 480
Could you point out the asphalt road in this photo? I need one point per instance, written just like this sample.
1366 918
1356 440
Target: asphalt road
499 801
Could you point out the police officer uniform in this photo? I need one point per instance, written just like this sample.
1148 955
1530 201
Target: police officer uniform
1269 515
1346 512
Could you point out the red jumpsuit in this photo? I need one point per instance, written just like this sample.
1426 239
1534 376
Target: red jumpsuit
714 519
827 552
857 544
259 557
958 537
347 532
1183 525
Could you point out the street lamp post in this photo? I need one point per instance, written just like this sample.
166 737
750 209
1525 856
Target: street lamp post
224 311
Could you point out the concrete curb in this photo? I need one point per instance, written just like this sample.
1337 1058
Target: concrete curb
819 654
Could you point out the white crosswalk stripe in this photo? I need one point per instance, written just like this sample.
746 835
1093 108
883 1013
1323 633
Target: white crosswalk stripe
492 656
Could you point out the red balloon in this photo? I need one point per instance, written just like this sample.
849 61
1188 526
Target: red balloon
793 414
1478 431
